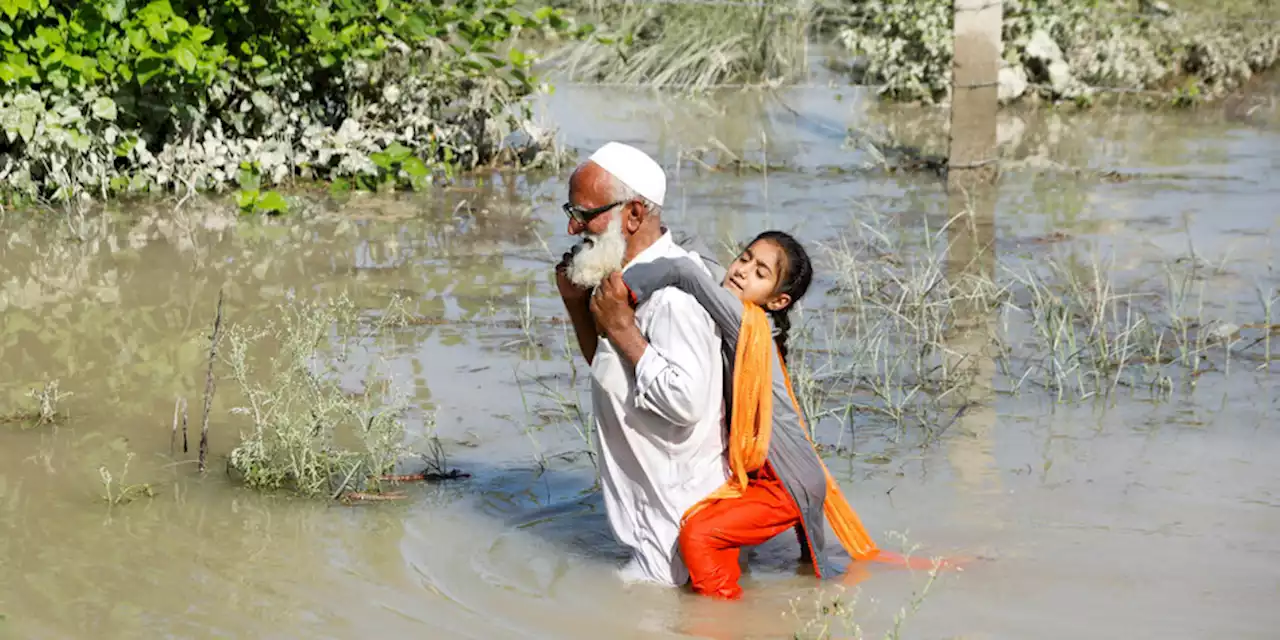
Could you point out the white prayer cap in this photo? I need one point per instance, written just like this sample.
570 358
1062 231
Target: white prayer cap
633 168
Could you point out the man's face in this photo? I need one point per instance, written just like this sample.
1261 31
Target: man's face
599 254
599 221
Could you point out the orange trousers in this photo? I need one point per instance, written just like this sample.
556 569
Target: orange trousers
711 540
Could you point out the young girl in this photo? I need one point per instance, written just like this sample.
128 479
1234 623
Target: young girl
777 481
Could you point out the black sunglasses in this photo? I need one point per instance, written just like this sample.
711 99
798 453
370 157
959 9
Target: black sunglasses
585 216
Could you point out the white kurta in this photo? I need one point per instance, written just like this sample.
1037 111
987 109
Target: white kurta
659 430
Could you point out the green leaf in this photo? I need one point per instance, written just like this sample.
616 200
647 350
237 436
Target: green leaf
185 58
113 10
53 58
77 63
104 109
246 199
79 141
147 68
201 33
273 202
138 39
398 152
50 36
415 167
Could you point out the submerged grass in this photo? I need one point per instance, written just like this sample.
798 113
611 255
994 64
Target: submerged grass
915 320
837 615
690 46
307 434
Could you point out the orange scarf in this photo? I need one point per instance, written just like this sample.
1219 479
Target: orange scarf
752 426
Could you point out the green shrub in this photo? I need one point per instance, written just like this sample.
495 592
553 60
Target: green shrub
111 96
905 47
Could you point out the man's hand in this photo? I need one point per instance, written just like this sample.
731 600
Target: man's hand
611 306
577 303
572 294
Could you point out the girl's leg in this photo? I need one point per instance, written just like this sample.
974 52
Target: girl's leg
710 540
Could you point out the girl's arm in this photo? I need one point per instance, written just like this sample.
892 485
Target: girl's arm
683 273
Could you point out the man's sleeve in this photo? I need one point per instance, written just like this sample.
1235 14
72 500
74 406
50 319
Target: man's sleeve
674 377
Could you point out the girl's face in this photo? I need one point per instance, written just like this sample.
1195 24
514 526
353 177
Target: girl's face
755 274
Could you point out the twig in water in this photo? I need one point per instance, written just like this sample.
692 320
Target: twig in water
178 402
358 496
427 476
208 383
347 479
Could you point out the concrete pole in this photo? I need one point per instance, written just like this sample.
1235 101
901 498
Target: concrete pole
975 71
971 257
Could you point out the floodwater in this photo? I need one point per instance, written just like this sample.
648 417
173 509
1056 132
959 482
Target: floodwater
1131 517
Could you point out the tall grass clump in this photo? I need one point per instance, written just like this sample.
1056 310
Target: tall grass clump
306 433
108 97
693 45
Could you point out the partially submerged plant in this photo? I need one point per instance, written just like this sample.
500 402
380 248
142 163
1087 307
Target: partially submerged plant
44 412
118 490
307 434
837 615
1068 49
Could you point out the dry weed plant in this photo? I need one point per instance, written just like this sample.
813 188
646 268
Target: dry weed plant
45 412
117 490
307 434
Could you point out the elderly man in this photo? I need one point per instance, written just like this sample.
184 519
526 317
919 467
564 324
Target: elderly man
657 377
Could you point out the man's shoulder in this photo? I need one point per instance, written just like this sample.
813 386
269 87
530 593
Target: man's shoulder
704 261
675 303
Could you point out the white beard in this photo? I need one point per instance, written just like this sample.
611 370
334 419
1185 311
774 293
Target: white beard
599 256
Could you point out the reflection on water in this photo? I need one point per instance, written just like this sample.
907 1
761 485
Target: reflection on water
971 259
1097 508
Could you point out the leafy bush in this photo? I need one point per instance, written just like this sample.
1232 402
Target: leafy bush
905 47
115 96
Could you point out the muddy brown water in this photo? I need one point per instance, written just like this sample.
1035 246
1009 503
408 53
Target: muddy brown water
1131 518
